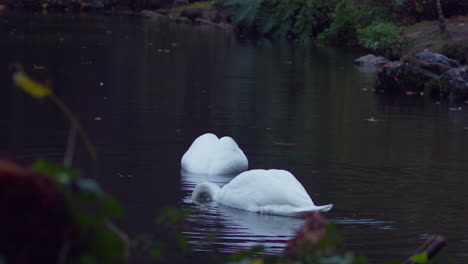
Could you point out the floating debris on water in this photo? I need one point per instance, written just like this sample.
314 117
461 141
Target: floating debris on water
373 119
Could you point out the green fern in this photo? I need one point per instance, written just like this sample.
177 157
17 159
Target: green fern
244 12
301 19
307 17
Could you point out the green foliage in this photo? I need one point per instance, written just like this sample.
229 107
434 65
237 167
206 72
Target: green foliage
245 254
91 209
244 12
379 36
59 174
349 17
306 17
399 2
172 215
322 258
331 240
332 21
301 19
346 19
421 258
167 241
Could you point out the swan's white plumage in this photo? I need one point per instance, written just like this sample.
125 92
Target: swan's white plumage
266 191
210 155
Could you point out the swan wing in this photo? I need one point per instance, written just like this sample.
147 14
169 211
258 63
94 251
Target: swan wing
256 189
198 156
228 158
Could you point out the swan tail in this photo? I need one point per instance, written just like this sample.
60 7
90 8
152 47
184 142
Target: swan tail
322 208
292 211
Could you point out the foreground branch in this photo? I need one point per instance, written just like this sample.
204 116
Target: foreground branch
432 246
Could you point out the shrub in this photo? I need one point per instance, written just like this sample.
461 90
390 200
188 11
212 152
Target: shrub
345 22
348 17
300 19
306 18
379 36
244 12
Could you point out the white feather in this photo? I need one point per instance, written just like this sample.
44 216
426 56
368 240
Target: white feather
263 191
210 155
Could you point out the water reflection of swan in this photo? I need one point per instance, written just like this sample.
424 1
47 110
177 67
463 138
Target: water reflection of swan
262 225
274 192
210 155
237 229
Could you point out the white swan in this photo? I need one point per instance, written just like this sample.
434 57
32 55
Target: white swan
210 155
263 191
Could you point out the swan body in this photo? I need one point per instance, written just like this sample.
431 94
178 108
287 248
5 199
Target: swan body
210 155
273 191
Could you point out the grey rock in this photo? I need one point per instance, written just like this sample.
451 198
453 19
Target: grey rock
455 82
404 77
371 60
436 57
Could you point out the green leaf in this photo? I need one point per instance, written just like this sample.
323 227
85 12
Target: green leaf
332 239
360 260
242 255
421 258
59 174
107 245
86 259
172 215
111 207
33 88
156 253
84 221
393 261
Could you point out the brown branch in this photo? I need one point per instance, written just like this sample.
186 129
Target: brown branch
76 123
432 246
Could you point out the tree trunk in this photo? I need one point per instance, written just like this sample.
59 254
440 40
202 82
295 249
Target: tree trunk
441 17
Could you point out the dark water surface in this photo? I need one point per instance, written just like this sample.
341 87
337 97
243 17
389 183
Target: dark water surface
155 88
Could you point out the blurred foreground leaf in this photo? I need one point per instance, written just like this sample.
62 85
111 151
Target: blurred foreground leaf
156 253
33 88
59 174
172 215
38 90
420 258
111 207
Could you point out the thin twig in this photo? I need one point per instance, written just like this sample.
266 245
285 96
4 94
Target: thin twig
71 143
75 122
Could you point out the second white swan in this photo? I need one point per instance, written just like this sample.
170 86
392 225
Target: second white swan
213 156
273 191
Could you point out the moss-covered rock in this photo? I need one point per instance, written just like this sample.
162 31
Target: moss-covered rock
404 77
455 83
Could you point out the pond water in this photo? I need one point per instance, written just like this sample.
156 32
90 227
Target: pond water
145 91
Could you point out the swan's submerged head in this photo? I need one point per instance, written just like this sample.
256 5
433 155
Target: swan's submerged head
205 192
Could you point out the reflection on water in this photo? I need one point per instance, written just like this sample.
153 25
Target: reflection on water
237 229
392 182
190 180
